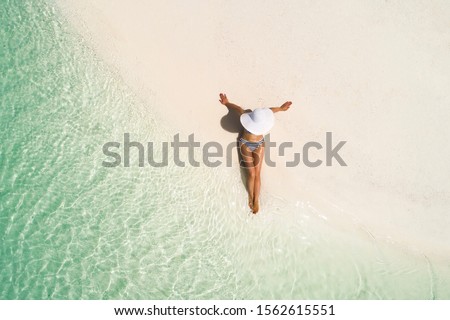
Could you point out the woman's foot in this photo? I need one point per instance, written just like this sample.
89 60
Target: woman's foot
255 207
250 202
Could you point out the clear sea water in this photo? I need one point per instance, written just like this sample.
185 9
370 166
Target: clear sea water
72 229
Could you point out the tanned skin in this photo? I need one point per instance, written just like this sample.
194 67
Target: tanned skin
252 160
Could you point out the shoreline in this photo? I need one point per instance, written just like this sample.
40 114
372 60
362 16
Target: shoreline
153 63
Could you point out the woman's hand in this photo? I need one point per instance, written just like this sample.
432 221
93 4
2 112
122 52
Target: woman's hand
223 99
285 106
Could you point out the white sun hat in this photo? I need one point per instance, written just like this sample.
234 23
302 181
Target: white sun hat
260 121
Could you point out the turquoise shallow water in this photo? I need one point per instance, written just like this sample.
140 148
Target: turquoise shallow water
72 229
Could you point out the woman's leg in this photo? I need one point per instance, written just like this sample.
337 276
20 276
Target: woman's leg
248 163
258 157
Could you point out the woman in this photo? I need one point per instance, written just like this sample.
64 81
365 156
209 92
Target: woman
256 124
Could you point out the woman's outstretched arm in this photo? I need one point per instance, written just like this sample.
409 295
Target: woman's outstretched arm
284 107
224 100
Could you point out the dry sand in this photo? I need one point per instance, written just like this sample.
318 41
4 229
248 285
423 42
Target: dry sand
374 73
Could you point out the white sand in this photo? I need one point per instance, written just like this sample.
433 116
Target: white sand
375 73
